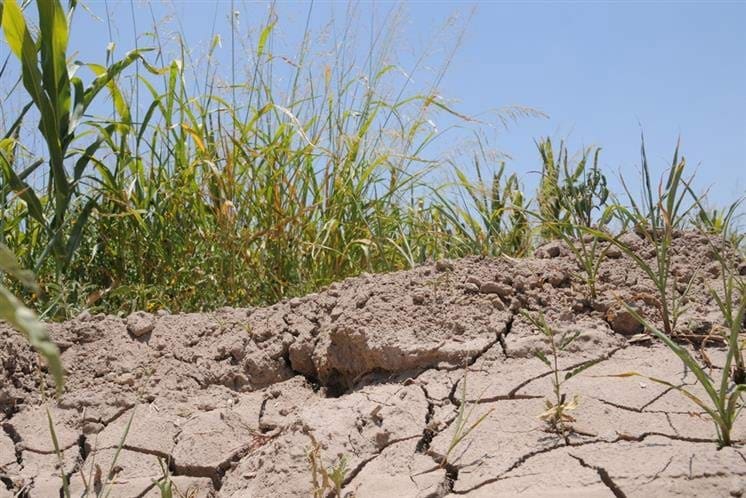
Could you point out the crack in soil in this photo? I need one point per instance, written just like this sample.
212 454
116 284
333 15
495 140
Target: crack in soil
427 433
642 408
8 482
16 438
621 438
359 468
603 474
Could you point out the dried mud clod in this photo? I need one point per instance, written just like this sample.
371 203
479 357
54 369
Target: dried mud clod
372 369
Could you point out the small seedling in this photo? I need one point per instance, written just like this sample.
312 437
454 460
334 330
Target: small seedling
556 415
725 403
326 480
168 489
462 423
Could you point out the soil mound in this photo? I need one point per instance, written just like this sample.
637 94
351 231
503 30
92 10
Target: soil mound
376 369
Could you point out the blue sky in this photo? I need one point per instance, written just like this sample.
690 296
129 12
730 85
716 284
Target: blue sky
601 71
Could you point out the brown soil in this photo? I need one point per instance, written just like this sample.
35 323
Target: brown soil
372 368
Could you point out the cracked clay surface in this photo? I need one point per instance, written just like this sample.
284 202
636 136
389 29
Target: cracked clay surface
373 368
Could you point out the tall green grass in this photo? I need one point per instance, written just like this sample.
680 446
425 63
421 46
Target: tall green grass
219 195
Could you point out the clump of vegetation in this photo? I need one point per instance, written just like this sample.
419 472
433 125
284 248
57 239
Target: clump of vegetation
491 218
206 187
568 198
656 217
557 414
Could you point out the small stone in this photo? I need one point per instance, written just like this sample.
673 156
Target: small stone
623 322
613 252
556 278
495 288
92 428
498 304
515 305
84 316
534 282
444 265
713 269
419 299
469 287
550 250
126 379
140 323
474 280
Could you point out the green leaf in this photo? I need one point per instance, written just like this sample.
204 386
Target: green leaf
542 357
583 367
23 190
77 231
25 320
9 264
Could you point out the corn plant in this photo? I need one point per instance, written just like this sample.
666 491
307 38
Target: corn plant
548 195
204 188
557 414
718 222
61 100
723 403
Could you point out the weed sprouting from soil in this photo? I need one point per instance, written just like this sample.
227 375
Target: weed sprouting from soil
724 403
567 199
465 422
557 414
325 480
656 217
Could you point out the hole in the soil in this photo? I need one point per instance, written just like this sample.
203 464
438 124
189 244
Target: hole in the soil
312 380
427 433
82 449
451 478
16 438
7 482
337 387
424 443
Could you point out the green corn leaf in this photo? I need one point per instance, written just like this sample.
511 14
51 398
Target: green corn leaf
683 355
23 190
76 233
9 264
23 319
55 79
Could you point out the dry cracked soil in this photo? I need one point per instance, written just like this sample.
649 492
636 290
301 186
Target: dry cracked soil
373 369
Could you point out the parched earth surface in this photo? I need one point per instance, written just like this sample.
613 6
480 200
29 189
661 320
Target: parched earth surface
377 369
